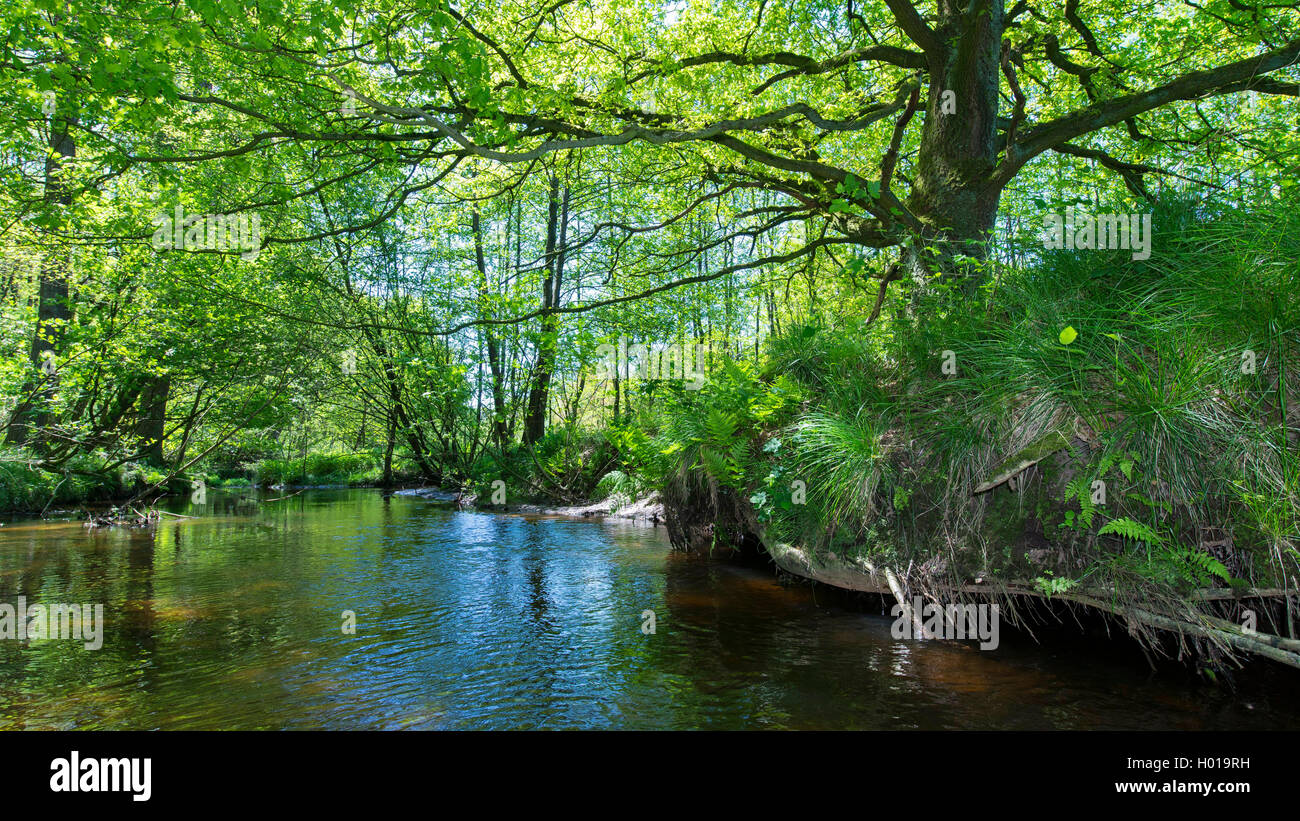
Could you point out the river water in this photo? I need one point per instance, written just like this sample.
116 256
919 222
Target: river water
235 620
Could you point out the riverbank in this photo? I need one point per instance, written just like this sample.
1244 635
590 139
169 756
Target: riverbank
1208 626
29 485
861 576
1121 435
27 488
648 509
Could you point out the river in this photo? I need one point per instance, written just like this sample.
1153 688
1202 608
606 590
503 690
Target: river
465 620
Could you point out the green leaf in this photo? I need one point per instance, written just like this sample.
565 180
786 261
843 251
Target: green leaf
1068 335
1131 529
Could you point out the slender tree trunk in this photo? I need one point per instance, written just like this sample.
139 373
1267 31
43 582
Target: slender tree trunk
556 230
616 394
491 342
189 426
389 444
419 450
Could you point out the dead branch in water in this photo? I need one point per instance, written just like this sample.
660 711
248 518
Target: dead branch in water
117 517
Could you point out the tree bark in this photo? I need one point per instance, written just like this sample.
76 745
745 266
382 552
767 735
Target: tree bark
491 342
152 427
955 196
389 444
539 397
54 310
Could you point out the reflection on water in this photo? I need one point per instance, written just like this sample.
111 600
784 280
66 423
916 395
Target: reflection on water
471 620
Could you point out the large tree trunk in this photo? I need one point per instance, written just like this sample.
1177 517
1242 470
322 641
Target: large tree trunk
152 427
954 195
54 311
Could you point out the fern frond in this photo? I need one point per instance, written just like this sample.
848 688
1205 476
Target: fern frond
1131 529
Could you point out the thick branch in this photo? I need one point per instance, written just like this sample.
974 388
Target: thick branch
1239 76
909 20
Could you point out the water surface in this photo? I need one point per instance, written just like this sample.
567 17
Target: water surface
479 621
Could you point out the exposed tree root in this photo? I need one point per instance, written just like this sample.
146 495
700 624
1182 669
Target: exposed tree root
862 576
1221 633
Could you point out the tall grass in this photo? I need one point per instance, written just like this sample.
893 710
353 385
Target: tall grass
1143 367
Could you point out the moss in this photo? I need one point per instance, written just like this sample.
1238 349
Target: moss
1031 454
